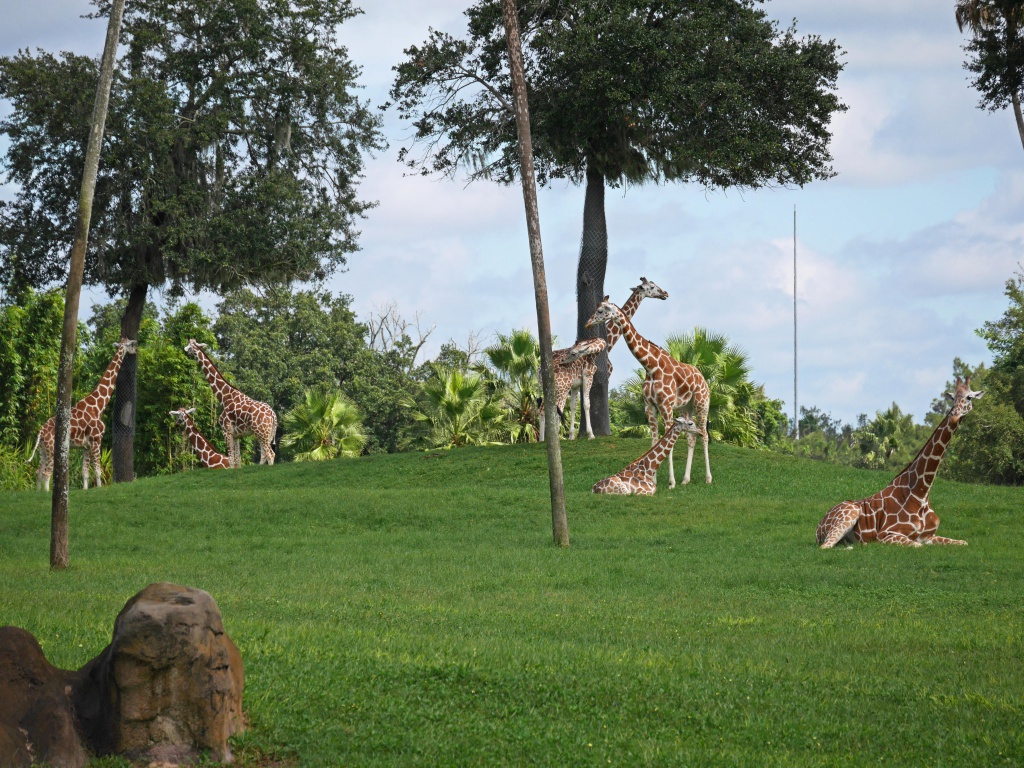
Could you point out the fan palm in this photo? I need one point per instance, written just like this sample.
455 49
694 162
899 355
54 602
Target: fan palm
726 368
514 362
324 426
455 408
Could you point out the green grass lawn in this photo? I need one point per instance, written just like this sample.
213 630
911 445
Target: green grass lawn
411 609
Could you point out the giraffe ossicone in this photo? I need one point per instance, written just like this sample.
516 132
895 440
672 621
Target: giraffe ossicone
901 512
208 456
670 384
640 477
86 424
241 415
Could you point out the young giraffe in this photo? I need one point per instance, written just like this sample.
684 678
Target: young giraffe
574 371
573 379
670 384
205 452
87 425
900 513
641 476
241 415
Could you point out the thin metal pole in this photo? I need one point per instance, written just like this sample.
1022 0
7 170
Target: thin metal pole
796 408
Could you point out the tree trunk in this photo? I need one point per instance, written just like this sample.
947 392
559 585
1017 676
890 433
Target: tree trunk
1017 114
59 554
590 292
559 522
122 421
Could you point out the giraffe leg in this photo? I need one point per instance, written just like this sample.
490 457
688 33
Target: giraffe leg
85 467
944 540
266 452
540 423
586 406
229 438
838 524
895 537
572 413
96 455
691 442
702 421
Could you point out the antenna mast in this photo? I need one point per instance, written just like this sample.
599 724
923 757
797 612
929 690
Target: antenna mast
796 410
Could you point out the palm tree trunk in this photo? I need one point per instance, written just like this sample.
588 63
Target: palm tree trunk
559 522
122 421
59 557
590 292
1017 114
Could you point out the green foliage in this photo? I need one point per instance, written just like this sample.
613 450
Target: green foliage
411 610
233 146
636 91
324 426
16 473
30 331
453 409
996 49
514 362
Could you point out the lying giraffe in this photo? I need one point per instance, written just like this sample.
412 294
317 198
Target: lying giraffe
86 427
670 384
900 513
641 476
580 378
241 415
206 453
574 371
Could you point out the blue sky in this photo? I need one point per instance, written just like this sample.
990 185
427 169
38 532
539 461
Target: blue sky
901 256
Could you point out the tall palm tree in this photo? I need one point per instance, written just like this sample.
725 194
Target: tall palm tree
455 408
726 368
514 362
997 27
324 426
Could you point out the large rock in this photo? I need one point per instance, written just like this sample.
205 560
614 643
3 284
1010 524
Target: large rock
167 689
37 723
169 685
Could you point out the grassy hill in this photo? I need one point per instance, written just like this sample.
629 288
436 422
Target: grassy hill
411 609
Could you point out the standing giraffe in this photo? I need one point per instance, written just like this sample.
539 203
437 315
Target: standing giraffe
670 384
900 513
87 427
570 378
206 453
574 372
241 415
641 476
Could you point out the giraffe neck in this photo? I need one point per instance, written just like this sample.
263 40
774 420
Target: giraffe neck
641 348
628 309
651 460
105 388
920 472
195 437
218 383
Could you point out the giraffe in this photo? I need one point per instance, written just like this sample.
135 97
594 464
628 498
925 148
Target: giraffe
574 379
87 427
241 415
641 476
574 371
206 453
900 513
670 384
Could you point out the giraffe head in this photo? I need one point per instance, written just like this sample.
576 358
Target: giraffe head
605 311
130 346
193 347
583 348
686 424
649 290
963 398
182 414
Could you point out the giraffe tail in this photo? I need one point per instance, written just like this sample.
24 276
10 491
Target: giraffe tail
39 439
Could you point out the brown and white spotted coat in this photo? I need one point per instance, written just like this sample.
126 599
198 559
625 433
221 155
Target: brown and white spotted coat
87 425
241 415
206 453
641 476
670 384
572 377
900 513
